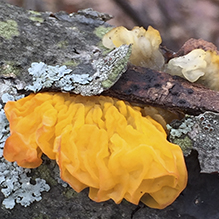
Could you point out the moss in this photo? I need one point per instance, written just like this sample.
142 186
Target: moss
8 29
9 69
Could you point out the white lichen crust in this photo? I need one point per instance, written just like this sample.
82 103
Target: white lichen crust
107 72
44 76
14 182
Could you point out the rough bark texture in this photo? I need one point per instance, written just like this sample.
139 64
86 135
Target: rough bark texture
149 87
73 41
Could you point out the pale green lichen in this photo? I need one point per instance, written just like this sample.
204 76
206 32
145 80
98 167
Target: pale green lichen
183 129
202 134
44 172
107 83
8 29
9 69
36 13
116 70
36 19
69 193
62 44
104 50
179 135
71 63
101 31
108 70
185 143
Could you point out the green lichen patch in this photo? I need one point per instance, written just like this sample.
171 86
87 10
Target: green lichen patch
116 69
70 63
69 193
8 29
201 134
185 144
101 31
36 19
9 69
184 128
36 13
44 172
62 44
104 50
35 16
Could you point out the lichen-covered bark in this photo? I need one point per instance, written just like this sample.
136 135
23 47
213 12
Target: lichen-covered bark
57 40
75 41
27 37
199 133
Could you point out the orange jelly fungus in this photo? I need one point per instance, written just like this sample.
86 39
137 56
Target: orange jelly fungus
98 142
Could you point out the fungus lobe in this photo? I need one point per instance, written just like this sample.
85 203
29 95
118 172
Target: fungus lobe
145 45
197 66
98 142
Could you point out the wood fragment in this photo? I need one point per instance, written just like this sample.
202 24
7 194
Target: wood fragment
192 44
148 87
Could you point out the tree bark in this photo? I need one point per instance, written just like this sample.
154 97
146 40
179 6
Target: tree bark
149 87
75 41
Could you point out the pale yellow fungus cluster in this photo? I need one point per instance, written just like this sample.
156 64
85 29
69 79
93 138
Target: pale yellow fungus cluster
198 65
145 45
190 66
